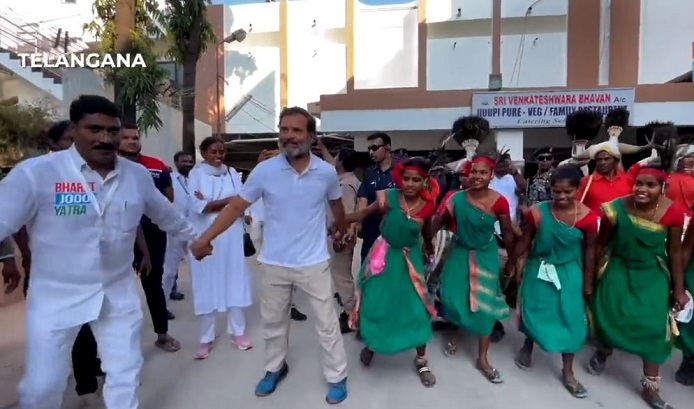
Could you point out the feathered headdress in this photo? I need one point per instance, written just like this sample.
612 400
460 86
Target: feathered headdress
659 132
583 124
501 154
468 128
616 121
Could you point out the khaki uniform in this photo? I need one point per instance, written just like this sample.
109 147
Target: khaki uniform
341 261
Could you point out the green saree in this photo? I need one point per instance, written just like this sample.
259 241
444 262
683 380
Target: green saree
631 302
553 314
470 287
393 310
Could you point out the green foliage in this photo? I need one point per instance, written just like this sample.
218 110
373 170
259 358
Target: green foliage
138 86
22 130
182 18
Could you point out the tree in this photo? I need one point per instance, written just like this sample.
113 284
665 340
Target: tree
22 130
189 33
136 89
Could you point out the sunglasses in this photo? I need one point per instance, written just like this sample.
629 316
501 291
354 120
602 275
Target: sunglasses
543 158
374 148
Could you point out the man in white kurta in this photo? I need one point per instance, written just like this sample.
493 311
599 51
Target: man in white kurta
82 207
175 248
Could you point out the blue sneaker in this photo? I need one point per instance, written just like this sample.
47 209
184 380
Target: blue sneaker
269 383
337 392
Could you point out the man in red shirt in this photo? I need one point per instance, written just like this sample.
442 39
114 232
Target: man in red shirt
680 187
130 148
608 182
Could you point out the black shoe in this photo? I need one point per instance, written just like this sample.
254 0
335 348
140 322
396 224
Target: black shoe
344 323
297 315
169 315
498 332
685 373
176 296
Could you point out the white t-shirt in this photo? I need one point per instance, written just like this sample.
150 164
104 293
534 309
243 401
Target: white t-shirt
294 232
506 186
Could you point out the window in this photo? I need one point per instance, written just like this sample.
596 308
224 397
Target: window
175 71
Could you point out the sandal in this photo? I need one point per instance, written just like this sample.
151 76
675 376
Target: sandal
492 375
203 351
450 349
366 356
654 400
575 388
597 363
524 359
425 375
168 344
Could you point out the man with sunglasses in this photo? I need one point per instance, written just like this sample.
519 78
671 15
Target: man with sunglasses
378 177
539 188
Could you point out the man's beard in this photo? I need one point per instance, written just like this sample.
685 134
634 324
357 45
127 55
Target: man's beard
301 150
184 171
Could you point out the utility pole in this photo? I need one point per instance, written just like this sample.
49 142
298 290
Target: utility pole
125 25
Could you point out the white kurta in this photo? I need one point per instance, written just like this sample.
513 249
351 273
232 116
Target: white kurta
222 280
82 229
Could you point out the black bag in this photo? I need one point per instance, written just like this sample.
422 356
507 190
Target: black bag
248 246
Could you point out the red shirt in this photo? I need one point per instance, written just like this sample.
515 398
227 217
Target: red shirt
680 190
159 171
603 190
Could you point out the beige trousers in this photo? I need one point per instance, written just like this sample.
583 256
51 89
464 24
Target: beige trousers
275 299
343 279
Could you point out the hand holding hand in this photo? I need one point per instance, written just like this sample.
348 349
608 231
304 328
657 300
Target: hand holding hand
145 266
10 275
681 299
201 249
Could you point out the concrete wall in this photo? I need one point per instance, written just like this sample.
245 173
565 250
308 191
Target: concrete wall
385 46
459 48
28 93
666 39
317 56
253 67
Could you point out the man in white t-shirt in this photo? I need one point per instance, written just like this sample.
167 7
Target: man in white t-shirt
510 183
294 187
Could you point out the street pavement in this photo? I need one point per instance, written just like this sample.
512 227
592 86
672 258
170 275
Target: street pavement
226 380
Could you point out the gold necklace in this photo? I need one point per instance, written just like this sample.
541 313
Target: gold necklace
551 209
409 209
655 211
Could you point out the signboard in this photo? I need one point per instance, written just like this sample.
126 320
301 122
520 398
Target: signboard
546 109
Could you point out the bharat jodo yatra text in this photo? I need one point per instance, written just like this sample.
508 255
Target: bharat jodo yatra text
82 60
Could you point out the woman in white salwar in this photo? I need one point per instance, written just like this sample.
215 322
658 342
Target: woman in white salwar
222 282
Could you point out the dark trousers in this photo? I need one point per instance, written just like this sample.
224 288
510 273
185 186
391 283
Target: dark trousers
85 364
151 284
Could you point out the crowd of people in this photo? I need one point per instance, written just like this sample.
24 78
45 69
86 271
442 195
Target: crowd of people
604 255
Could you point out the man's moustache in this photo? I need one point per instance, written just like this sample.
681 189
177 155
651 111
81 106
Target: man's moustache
104 147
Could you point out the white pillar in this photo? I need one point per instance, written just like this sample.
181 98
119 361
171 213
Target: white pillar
511 139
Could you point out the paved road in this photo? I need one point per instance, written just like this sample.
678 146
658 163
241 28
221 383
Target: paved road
227 378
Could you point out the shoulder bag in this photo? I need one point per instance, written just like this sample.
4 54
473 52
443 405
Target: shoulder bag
248 246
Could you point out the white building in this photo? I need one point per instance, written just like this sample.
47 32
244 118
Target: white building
411 70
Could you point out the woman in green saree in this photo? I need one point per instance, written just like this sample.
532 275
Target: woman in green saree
685 373
470 280
393 308
560 236
641 235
